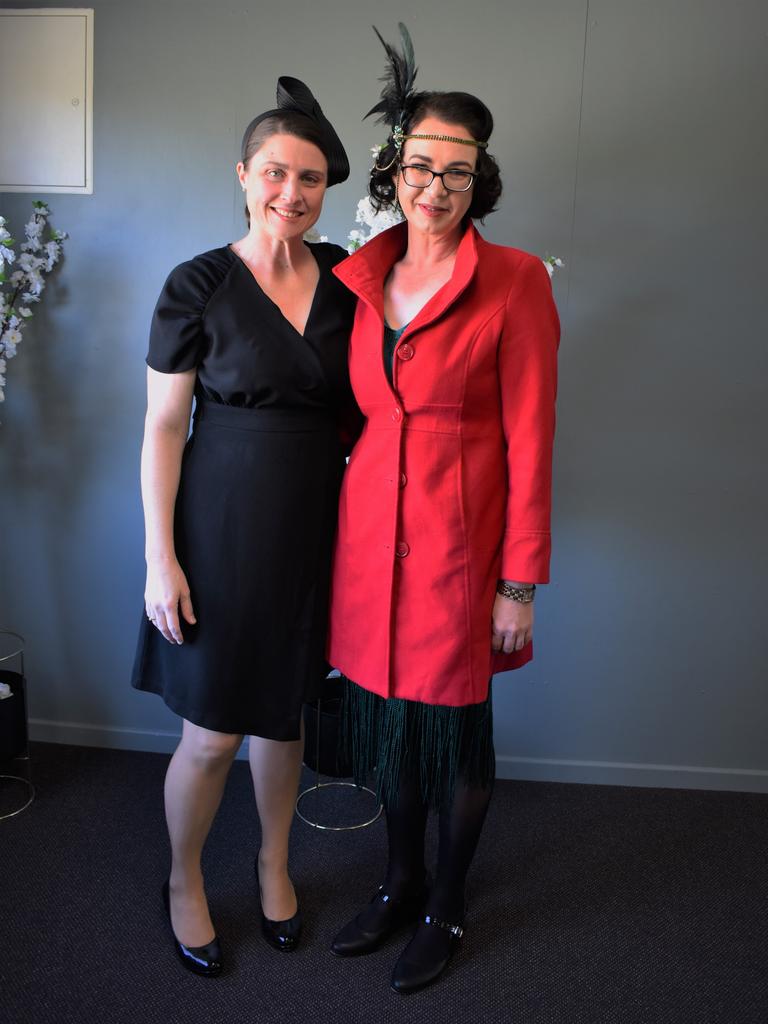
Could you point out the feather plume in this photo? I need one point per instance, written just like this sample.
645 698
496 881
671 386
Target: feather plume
398 80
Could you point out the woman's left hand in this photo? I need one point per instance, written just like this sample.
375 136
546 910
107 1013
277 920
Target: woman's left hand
512 625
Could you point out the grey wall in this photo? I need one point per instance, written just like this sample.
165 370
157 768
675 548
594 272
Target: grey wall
632 139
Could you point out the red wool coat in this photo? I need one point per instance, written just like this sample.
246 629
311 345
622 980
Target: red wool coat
448 488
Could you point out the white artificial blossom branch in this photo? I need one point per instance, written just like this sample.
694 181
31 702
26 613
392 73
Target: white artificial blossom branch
23 286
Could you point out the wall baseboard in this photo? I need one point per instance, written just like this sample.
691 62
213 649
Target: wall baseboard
617 773
524 769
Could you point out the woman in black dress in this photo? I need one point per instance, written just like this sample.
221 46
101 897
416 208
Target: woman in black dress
240 517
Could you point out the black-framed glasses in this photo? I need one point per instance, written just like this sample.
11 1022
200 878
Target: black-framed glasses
419 176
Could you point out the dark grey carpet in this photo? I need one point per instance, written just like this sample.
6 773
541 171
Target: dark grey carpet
589 905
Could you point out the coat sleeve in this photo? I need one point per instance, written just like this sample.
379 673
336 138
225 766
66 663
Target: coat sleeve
528 380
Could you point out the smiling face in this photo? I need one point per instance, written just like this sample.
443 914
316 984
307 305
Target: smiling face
284 181
435 210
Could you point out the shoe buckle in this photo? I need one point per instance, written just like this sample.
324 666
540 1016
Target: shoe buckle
454 929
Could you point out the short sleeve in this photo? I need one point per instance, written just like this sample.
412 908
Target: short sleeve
176 338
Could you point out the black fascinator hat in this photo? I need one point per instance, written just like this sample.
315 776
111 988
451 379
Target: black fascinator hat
293 95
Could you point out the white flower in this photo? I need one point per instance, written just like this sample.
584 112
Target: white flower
25 312
30 296
6 255
9 341
309 236
35 283
17 277
4 232
365 212
13 322
28 262
2 365
552 263
2 380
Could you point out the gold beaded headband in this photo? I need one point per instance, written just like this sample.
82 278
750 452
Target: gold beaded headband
399 137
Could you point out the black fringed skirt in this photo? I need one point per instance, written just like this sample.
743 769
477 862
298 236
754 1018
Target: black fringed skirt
390 741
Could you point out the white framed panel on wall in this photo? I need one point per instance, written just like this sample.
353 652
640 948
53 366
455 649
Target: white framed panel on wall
46 100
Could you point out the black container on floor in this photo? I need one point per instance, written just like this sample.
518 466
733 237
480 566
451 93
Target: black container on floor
13 726
329 762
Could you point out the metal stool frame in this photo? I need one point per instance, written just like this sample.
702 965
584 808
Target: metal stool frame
318 785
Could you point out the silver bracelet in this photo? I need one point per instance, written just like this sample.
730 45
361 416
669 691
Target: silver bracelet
523 595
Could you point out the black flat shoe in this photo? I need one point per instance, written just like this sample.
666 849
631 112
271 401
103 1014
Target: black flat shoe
384 916
204 960
426 956
282 935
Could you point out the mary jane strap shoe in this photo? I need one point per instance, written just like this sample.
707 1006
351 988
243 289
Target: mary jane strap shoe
204 960
384 916
426 956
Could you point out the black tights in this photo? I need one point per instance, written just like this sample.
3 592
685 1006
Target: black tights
460 824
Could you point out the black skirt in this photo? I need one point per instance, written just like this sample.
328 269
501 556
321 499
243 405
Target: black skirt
254 524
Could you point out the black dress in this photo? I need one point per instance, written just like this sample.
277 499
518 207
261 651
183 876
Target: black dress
256 508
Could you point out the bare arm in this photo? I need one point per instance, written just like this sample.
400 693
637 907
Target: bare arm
169 402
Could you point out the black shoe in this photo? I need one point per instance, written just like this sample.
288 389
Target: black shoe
384 916
426 956
205 960
282 935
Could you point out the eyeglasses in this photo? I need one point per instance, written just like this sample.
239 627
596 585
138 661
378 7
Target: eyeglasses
419 176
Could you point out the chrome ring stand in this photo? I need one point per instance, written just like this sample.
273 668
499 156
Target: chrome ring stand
318 786
15 642
30 794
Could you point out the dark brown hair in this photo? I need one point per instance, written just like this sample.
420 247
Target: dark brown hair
454 108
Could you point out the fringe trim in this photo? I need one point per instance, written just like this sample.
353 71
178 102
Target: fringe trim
388 739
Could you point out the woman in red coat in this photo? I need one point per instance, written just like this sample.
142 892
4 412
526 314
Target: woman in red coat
445 508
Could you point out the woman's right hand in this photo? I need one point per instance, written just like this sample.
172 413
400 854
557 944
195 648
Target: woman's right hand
167 595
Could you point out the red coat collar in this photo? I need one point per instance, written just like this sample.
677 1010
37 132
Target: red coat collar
365 271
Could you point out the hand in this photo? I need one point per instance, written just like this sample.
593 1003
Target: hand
511 624
166 594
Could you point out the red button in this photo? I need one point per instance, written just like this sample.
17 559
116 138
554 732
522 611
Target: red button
402 549
403 479
397 414
405 351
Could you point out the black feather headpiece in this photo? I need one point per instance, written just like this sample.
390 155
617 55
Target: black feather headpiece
396 97
398 81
